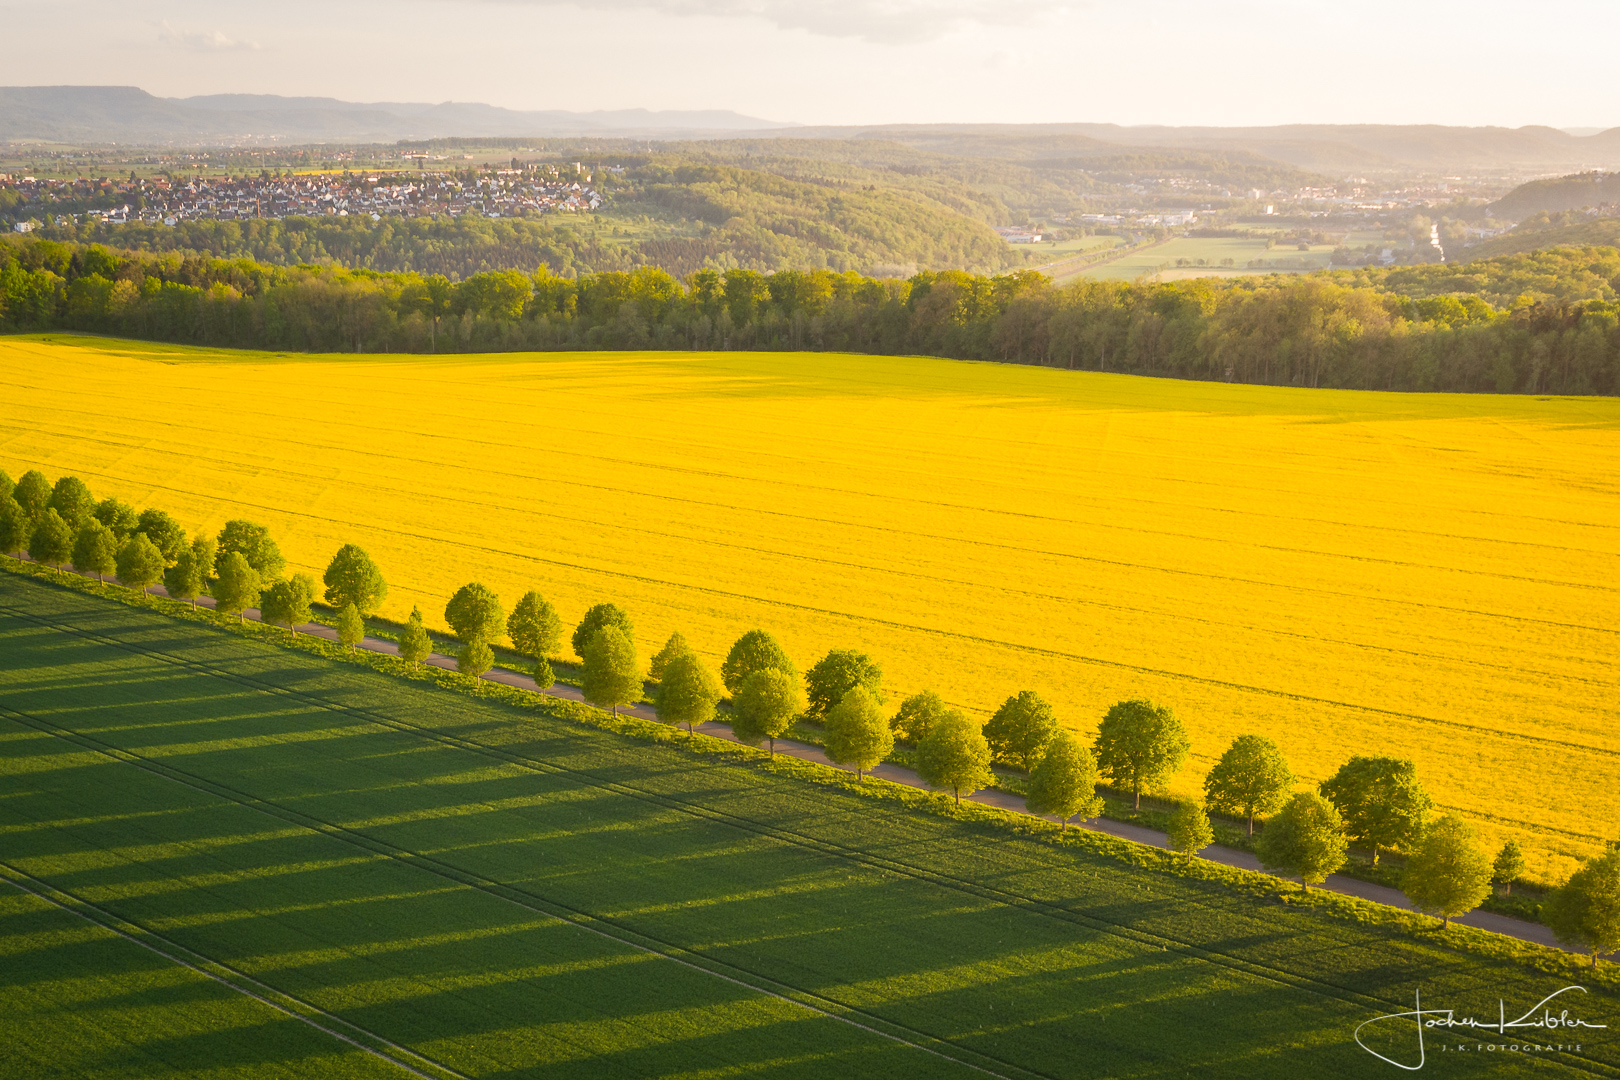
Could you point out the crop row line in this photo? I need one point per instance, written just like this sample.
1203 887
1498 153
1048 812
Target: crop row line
358 1037
527 899
773 832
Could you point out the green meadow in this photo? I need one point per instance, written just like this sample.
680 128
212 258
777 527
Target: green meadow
230 859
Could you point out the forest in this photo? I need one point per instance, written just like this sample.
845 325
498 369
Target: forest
1542 322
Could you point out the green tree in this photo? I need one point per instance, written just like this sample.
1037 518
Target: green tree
535 630
237 585
288 602
1449 874
1305 838
414 644
1189 831
52 541
95 550
598 617
688 692
7 485
955 755
352 578
1586 911
544 677
754 651
611 676
252 542
475 614
475 658
765 706
351 629
857 731
1508 867
72 499
1251 778
188 577
1140 745
15 528
119 517
140 563
675 646
33 494
1022 729
835 675
163 531
1382 803
917 716
1064 783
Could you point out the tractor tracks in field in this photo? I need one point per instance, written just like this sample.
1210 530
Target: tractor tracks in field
335 1026
627 935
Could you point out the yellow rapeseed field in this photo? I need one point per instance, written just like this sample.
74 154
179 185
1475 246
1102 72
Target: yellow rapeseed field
1425 575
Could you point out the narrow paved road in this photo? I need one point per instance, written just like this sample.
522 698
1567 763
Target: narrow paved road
1338 883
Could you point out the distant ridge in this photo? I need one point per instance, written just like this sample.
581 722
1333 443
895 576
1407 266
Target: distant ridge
129 114
1326 148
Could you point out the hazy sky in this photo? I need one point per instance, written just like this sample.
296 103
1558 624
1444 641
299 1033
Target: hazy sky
847 61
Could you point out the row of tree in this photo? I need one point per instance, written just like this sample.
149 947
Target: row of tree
1376 802
1427 329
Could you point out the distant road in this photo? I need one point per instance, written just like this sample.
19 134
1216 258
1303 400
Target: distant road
1365 890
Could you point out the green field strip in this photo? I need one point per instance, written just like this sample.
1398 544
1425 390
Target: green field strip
335 1026
530 901
1000 896
413 861
1011 898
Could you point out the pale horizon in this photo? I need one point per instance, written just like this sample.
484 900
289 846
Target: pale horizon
1164 62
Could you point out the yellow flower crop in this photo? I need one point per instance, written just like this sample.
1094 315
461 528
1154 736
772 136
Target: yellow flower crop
1431 576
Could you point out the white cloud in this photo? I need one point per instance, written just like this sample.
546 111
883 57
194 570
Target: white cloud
202 40
889 22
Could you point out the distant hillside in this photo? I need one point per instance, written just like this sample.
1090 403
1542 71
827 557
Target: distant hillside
1550 231
1560 193
91 114
1331 148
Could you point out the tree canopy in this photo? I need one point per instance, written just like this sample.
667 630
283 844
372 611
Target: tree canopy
835 675
599 616
857 731
95 550
675 646
1250 778
765 706
917 716
474 613
688 692
1064 783
1305 838
1449 874
534 627
414 644
1140 745
1383 805
237 585
1586 910
754 651
252 541
288 602
612 676
352 578
140 563
955 755
1022 729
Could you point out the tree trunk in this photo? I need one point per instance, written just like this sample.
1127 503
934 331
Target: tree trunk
773 744
1251 822
1375 854
1138 798
958 793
